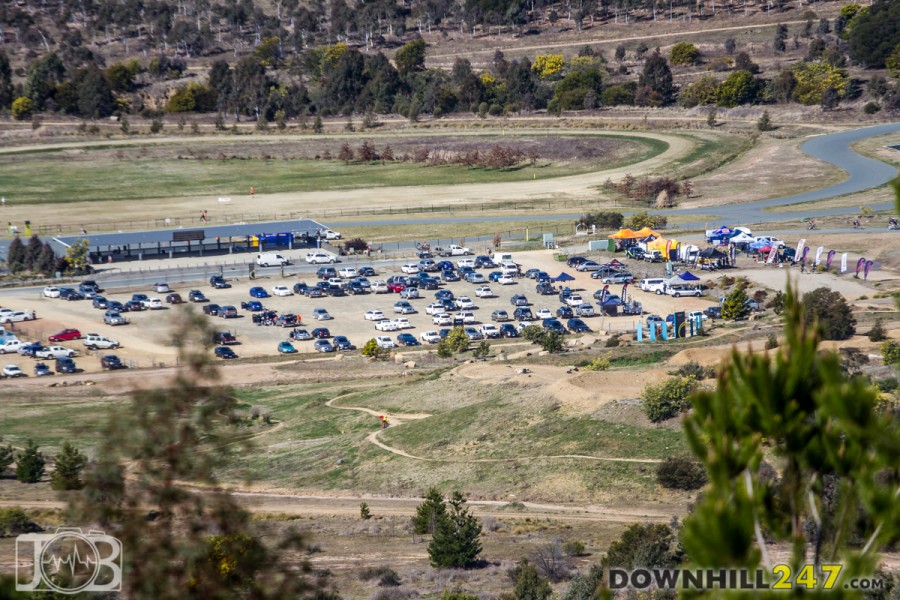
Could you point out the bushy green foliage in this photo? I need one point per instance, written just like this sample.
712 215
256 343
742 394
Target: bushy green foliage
657 76
873 33
830 310
455 543
735 306
411 56
371 349
642 219
890 352
740 88
68 465
14 521
813 78
684 53
457 339
22 108
793 406
483 350
30 464
668 399
574 548
457 595
643 546
364 513
681 473
586 586
699 92
529 583
603 220
877 332
601 363
695 370
765 122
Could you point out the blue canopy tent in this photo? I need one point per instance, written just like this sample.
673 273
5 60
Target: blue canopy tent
688 276
564 277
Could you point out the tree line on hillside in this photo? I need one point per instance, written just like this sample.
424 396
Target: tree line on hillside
194 28
337 79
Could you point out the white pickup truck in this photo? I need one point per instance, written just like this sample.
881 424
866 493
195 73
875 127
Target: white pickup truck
453 250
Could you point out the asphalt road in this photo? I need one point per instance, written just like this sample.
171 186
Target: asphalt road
863 174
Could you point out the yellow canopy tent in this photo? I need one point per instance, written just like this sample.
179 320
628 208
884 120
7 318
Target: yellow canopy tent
660 244
624 234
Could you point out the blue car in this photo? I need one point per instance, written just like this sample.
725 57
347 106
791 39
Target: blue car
494 276
300 288
258 292
446 265
448 276
508 330
441 294
252 306
565 312
286 348
407 339
366 271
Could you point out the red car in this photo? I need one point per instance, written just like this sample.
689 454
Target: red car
396 287
66 335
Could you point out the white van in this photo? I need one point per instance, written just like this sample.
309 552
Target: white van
268 259
653 285
503 257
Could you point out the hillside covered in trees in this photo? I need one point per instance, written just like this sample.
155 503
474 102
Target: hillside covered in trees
287 60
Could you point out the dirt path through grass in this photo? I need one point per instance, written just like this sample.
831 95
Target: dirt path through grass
397 420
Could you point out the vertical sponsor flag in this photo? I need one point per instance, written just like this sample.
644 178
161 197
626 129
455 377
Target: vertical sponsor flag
772 254
830 258
668 248
819 251
805 252
859 265
799 253
869 264
624 293
844 262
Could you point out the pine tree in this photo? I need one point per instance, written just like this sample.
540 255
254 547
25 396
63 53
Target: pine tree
364 513
317 124
15 255
529 584
69 465
429 512
32 253
735 305
30 464
456 542
46 260
7 456
835 493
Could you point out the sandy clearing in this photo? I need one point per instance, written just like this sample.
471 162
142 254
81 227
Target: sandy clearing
760 173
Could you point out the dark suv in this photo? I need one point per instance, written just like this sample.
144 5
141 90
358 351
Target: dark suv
326 272
65 365
224 337
218 282
111 362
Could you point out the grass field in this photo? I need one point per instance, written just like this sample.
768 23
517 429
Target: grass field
311 446
111 173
